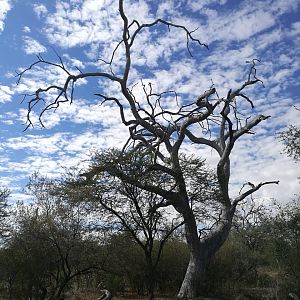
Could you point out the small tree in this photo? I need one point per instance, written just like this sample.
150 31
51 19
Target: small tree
130 209
291 140
127 207
211 121
51 242
25 261
283 232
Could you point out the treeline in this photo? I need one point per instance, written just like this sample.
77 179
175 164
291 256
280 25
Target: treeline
261 257
62 247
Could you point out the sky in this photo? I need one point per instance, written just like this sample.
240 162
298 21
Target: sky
82 33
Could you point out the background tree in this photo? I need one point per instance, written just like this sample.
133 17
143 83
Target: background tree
283 233
51 245
11 265
171 269
127 270
130 210
139 212
4 193
238 264
291 140
211 121
25 260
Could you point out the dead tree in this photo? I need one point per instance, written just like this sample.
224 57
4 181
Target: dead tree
163 132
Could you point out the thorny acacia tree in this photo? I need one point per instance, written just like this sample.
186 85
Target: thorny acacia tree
131 209
138 211
291 140
163 132
60 232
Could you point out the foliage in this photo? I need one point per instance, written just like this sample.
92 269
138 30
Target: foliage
145 215
141 213
291 140
4 193
109 168
284 234
262 255
172 267
50 243
126 267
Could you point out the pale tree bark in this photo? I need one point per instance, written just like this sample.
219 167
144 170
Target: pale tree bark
201 251
148 131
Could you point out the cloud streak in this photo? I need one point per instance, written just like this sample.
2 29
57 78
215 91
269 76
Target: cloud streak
31 46
5 6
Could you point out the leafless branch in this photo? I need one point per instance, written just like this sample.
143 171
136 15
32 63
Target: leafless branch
253 188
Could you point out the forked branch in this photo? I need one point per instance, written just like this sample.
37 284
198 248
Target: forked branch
69 85
253 188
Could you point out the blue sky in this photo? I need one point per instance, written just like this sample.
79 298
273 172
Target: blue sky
84 31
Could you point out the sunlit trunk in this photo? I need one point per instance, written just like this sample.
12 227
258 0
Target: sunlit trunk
201 252
194 278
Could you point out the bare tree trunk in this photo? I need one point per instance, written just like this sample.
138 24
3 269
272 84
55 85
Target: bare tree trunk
150 280
194 277
201 251
150 288
43 293
58 291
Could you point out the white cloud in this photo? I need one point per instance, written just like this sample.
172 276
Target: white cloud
6 93
247 25
73 25
295 29
84 143
8 118
5 181
263 163
5 6
74 62
40 144
31 46
40 9
198 5
52 154
26 29
18 196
